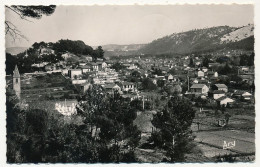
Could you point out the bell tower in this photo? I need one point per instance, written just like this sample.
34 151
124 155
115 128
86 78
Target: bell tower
17 82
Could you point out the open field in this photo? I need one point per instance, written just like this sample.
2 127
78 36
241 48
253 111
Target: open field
244 141
210 138
240 129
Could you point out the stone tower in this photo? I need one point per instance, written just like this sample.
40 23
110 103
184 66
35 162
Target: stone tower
17 82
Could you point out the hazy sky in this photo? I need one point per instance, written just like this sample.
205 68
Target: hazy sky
100 25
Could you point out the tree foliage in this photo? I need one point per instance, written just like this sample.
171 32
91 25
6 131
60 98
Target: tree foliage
173 124
191 64
25 12
105 134
226 69
76 47
205 62
118 66
247 60
147 84
98 53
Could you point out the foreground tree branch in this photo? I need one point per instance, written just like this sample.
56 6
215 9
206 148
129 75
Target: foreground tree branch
25 12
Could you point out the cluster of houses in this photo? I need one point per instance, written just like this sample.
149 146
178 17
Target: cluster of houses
200 81
219 92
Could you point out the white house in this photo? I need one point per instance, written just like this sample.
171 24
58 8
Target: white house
127 86
218 93
247 96
104 65
245 69
110 88
46 51
220 87
195 81
169 77
86 68
94 66
84 86
199 89
216 74
65 71
88 58
204 69
201 74
224 101
75 72
79 81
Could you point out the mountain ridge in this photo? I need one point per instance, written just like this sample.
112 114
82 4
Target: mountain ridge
199 40
196 40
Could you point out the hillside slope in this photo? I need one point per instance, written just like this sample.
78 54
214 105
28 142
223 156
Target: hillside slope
201 40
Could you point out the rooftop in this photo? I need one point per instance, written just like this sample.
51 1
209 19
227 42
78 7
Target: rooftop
197 86
221 85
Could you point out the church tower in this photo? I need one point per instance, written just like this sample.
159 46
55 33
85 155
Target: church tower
17 82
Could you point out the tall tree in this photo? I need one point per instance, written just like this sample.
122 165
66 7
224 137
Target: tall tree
205 62
191 64
98 53
251 59
148 84
109 120
173 124
160 83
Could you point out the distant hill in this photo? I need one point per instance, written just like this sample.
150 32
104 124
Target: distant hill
115 47
207 39
123 50
16 50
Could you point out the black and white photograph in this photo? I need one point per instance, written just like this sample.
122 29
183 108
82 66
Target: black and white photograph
102 84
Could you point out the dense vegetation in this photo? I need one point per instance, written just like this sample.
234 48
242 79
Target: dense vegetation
173 132
105 134
32 56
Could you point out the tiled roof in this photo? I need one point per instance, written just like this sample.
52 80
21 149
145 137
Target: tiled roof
109 86
221 85
197 86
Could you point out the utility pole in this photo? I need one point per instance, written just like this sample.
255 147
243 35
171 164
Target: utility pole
188 83
143 102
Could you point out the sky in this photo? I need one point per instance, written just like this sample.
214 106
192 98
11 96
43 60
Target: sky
101 25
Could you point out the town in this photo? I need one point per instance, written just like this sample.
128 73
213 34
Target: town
130 84
219 85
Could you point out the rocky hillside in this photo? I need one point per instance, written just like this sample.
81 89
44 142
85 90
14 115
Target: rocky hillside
202 40
239 34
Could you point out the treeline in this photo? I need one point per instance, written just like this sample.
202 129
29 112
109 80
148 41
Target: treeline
76 47
32 56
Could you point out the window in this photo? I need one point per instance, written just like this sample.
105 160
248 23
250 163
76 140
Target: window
16 80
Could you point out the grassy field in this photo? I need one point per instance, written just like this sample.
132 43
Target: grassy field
210 137
241 126
244 141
